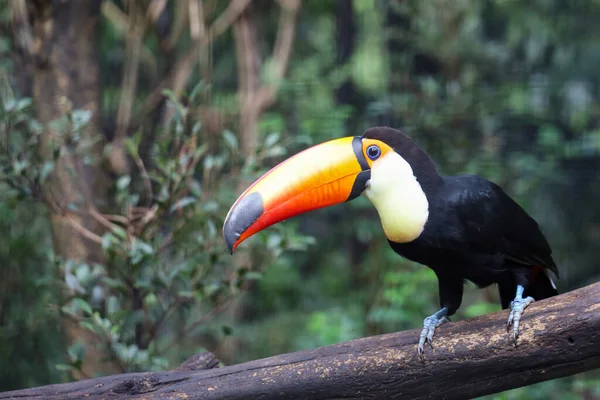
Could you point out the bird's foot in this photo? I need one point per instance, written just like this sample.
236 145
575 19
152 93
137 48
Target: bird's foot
429 325
517 306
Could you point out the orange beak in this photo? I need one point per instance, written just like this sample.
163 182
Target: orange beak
329 173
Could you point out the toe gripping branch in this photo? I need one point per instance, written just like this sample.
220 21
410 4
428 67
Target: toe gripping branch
429 325
517 306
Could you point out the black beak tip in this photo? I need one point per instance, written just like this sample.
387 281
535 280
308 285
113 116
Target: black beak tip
241 217
229 239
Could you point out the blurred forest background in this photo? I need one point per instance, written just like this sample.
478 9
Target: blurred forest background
128 128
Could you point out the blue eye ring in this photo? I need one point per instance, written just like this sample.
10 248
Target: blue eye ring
373 152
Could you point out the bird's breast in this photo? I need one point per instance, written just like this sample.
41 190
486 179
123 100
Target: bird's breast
399 199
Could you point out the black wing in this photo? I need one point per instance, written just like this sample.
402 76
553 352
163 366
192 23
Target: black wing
492 222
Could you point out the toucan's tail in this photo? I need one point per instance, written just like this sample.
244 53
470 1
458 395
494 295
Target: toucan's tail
540 287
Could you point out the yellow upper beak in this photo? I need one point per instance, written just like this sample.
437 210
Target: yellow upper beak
320 176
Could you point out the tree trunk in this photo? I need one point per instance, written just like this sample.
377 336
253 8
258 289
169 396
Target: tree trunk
66 76
249 63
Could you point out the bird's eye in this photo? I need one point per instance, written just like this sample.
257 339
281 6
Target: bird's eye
373 152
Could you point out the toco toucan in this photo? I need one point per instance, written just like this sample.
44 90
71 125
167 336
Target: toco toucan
463 227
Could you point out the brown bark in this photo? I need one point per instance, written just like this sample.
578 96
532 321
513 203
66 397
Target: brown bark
66 77
254 96
249 62
560 336
183 67
22 44
136 26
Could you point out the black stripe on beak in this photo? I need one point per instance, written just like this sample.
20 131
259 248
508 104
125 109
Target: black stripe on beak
363 177
357 148
359 184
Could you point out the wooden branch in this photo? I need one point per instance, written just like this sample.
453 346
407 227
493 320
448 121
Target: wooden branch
256 97
196 15
184 65
248 64
136 26
559 337
281 53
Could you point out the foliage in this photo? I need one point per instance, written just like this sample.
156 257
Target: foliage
28 322
168 271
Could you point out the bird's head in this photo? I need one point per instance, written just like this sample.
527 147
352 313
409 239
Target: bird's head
383 163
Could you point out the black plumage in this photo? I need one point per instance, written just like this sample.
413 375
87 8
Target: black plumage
474 232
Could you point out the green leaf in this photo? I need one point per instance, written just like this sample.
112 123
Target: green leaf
151 300
144 247
196 128
23 103
82 305
59 125
123 182
181 203
132 147
88 325
76 351
550 136
20 165
517 100
83 272
120 232
271 139
170 95
253 276
274 241
113 283
107 240
196 90
276 151
210 206
73 283
131 352
195 187
139 250
209 162
230 140
9 105
212 228
112 305
81 118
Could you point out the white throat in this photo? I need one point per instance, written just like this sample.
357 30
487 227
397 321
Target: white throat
398 197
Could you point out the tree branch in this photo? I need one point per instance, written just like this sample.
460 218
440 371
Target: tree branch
256 97
133 45
183 67
281 53
559 337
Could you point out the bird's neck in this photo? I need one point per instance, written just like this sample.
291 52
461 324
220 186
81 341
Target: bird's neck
399 199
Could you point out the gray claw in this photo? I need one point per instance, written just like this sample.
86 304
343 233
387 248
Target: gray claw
517 306
429 325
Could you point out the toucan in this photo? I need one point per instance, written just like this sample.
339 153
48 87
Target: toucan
463 227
